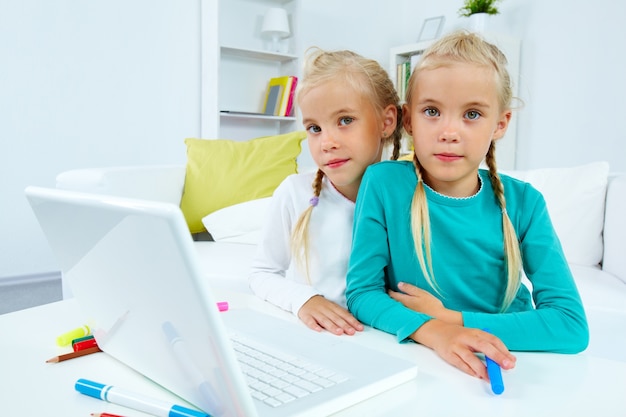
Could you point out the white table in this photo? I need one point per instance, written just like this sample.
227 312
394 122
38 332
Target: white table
589 384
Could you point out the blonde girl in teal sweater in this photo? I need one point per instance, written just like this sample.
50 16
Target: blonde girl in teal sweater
439 244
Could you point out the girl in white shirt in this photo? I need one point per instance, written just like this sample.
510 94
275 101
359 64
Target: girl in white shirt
350 110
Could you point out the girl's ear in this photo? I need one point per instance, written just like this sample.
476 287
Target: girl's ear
390 118
406 119
502 125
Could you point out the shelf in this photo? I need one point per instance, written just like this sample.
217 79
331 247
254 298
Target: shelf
237 65
245 115
257 54
410 49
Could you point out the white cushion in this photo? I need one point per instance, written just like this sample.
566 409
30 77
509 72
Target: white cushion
239 223
575 197
614 232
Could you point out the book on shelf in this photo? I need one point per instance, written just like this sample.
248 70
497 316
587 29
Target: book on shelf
290 98
272 99
404 71
402 77
279 96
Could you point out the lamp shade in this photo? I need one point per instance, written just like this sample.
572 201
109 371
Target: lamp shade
276 23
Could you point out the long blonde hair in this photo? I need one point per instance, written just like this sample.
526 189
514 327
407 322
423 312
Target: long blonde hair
367 78
466 48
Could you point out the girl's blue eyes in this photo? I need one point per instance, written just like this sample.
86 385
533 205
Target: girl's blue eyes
343 121
346 120
470 115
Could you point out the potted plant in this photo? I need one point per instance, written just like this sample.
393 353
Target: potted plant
477 11
471 7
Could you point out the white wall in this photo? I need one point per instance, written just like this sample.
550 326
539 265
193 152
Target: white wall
85 84
95 83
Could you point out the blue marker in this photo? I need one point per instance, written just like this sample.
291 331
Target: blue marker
137 402
495 374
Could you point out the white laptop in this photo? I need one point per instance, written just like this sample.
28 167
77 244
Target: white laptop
132 266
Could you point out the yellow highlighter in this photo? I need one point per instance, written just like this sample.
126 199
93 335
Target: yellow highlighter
66 338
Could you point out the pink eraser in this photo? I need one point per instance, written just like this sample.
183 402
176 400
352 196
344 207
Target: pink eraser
222 305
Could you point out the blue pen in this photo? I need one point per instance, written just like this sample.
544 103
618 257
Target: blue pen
495 374
137 402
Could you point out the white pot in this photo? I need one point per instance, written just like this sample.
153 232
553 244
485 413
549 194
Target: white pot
478 22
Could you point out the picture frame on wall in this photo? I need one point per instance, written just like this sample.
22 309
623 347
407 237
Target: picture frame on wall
431 28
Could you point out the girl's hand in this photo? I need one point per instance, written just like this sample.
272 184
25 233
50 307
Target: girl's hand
319 313
424 302
458 345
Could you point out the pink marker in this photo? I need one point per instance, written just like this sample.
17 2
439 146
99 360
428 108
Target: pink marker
222 305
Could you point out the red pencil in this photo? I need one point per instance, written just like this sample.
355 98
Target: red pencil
105 415
73 355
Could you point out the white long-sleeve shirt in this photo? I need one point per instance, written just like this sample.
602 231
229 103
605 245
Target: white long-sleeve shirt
275 277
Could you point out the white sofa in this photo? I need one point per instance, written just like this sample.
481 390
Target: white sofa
586 203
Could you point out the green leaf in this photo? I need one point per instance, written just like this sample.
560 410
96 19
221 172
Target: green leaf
471 7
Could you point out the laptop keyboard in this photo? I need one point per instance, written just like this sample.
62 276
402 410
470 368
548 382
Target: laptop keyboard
277 378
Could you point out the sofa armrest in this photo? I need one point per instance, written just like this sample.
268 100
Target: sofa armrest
152 182
614 260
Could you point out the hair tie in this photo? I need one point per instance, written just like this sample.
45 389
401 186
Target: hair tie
314 200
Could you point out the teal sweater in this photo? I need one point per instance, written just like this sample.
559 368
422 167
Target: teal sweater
468 262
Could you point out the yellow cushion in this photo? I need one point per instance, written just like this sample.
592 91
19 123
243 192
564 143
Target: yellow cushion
221 172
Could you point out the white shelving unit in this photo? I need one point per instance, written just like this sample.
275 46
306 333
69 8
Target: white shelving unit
506 147
237 67
401 54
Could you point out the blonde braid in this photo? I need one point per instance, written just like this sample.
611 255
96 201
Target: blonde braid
420 228
512 251
300 235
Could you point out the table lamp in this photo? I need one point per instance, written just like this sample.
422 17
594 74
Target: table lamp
276 26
